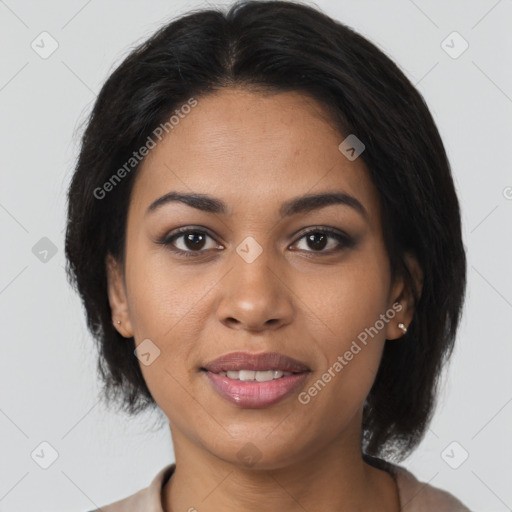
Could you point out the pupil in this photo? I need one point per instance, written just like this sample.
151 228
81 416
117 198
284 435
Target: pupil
315 242
191 243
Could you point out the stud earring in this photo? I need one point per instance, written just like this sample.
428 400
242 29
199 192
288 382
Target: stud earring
118 322
402 327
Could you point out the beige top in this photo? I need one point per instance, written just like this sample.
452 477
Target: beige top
415 496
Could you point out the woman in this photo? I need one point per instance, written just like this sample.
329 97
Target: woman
264 231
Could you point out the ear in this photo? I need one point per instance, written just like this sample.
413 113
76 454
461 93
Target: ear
403 294
117 297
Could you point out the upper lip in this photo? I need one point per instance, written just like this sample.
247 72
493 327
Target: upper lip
257 362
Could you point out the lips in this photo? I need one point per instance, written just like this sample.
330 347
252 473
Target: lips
289 375
237 361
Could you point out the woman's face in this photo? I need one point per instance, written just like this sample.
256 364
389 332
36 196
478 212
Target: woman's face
252 280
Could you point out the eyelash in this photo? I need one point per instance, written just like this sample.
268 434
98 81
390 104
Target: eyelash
343 239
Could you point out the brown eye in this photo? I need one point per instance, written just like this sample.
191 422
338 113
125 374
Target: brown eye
317 241
194 240
325 240
188 241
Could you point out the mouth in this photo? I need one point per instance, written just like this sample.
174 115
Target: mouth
255 380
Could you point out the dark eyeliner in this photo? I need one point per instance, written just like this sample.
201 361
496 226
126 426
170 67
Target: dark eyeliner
345 241
168 239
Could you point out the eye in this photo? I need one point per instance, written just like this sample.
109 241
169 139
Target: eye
318 239
187 241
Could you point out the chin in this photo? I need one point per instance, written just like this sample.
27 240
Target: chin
259 452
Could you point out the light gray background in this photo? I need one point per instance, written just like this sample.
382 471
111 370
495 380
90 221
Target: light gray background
48 386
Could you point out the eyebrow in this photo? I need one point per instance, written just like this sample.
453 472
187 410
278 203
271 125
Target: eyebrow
301 204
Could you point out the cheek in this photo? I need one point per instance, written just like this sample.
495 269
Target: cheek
350 335
164 297
167 306
351 297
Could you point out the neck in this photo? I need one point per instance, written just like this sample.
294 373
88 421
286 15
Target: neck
331 478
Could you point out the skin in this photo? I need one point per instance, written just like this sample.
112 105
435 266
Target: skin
268 148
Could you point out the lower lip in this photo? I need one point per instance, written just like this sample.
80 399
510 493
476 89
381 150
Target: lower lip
252 394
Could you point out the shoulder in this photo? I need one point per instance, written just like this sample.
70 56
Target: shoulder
147 499
416 496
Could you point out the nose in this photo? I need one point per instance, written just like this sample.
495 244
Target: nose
255 296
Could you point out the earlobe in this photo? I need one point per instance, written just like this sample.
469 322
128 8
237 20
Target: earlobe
117 297
406 292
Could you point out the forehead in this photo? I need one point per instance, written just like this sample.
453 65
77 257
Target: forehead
252 149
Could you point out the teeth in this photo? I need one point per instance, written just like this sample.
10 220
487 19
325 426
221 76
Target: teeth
258 376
